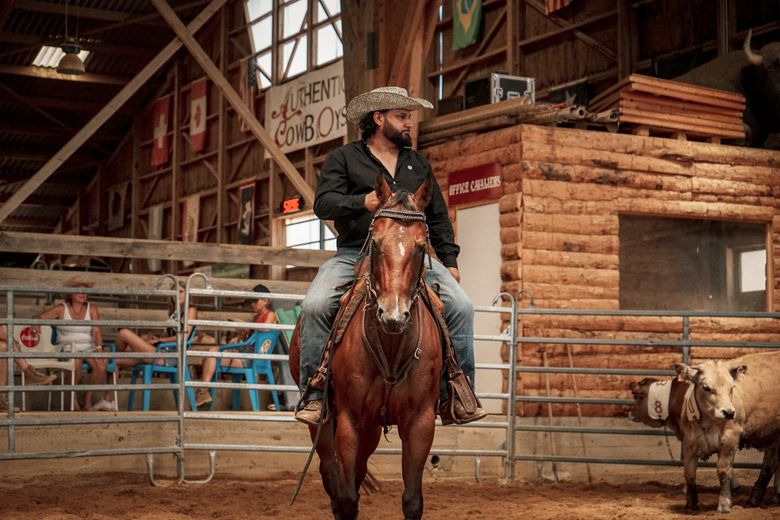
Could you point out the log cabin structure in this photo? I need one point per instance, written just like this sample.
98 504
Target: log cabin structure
588 217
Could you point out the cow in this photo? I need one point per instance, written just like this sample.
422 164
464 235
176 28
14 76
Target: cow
719 407
755 75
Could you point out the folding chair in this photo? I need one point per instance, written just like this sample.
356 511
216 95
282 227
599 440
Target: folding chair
29 342
170 370
262 342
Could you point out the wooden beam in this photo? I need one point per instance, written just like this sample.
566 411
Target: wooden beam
55 203
130 51
68 105
162 249
47 73
48 279
413 15
30 223
50 132
235 101
591 42
105 113
105 15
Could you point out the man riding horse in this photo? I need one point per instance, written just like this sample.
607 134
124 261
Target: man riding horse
345 194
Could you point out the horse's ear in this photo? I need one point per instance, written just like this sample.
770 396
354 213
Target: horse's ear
383 190
424 192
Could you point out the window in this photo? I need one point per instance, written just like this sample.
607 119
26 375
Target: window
309 36
686 264
308 232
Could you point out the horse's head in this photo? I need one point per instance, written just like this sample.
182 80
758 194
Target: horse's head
399 238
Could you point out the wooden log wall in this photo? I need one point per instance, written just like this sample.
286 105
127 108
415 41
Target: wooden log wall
564 192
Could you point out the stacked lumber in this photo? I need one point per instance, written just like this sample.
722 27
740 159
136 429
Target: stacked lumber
667 106
485 118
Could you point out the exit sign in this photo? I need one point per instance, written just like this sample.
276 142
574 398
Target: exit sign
292 204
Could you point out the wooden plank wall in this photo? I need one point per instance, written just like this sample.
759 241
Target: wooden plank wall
564 190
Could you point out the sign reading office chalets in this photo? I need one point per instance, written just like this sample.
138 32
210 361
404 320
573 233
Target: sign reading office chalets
308 110
479 183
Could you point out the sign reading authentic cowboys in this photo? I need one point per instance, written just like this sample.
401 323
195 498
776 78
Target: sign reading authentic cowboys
466 19
308 110
479 183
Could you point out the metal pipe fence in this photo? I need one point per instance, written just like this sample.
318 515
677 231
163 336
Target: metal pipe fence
509 452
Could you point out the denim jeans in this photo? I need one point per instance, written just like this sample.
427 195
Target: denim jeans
321 303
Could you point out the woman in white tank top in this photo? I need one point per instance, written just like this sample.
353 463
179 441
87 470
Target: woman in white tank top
86 338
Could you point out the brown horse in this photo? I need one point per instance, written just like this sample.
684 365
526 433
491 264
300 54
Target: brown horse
387 367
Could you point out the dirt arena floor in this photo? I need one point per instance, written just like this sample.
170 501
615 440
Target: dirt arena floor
129 496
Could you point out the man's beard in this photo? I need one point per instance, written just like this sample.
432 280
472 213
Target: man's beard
399 139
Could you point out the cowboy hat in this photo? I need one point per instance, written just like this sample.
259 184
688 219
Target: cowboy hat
383 98
78 281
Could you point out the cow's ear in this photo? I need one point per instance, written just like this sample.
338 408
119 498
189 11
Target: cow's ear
382 188
736 371
688 373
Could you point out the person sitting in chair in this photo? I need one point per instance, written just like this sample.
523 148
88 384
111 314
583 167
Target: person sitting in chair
345 193
32 376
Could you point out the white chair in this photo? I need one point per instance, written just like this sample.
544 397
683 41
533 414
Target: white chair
30 343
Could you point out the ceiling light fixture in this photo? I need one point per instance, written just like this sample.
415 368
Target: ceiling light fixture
70 62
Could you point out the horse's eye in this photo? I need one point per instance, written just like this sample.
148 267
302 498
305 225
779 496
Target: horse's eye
706 388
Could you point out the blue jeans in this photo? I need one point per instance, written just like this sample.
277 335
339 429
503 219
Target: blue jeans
321 303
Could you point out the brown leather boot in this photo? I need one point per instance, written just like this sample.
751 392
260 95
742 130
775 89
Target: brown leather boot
311 413
33 376
4 404
452 411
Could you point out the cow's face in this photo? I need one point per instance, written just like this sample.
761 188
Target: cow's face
714 383
638 412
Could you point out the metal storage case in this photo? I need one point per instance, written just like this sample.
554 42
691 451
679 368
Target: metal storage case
498 87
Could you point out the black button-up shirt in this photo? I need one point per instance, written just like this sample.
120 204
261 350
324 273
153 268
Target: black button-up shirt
349 173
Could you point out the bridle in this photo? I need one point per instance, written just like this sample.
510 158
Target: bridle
368 250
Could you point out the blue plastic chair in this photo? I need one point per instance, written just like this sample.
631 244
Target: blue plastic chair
262 342
170 369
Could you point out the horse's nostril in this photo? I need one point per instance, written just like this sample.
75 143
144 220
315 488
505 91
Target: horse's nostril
407 314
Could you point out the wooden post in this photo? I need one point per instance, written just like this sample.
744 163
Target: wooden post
176 217
624 19
222 132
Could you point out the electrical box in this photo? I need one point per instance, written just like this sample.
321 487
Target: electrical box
499 87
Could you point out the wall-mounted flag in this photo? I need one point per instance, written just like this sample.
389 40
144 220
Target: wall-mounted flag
160 142
198 114
550 6
248 87
466 20
190 217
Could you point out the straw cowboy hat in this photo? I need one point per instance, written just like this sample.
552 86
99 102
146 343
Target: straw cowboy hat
383 98
78 281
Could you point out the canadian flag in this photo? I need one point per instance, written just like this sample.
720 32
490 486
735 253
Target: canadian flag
198 115
550 6
160 143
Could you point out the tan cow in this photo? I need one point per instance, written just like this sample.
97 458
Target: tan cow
720 407
660 403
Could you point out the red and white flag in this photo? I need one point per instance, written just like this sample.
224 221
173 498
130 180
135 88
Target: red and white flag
198 115
248 87
160 143
550 6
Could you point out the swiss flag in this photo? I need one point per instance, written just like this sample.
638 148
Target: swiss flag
160 143
198 115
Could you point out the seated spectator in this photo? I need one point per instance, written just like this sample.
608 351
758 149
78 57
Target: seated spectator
262 312
86 338
32 375
129 341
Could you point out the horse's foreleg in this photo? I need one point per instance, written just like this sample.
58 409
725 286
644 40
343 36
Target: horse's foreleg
368 442
417 438
330 469
347 449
